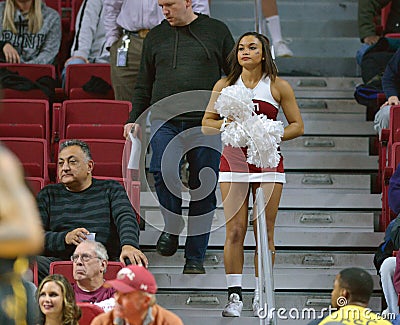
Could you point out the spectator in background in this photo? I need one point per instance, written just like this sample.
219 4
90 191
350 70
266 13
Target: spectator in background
127 23
21 235
57 302
136 289
90 261
391 88
367 11
351 292
30 32
186 52
270 12
90 36
81 204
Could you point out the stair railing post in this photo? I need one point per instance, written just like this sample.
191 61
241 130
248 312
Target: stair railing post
265 273
259 18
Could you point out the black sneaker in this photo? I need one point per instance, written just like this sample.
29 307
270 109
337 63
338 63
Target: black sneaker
167 244
193 267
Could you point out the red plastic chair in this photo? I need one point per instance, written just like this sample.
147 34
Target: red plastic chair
35 183
93 119
26 118
89 311
32 153
65 268
54 4
32 72
387 214
79 74
75 6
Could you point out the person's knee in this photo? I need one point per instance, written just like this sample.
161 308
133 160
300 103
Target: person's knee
387 268
382 118
235 235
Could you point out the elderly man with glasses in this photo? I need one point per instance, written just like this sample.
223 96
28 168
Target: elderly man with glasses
90 261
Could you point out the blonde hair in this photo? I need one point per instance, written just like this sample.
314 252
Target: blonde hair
35 16
71 312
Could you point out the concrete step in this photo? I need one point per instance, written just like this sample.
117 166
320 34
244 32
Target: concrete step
291 28
292 199
299 10
308 144
337 128
286 260
317 221
322 238
331 106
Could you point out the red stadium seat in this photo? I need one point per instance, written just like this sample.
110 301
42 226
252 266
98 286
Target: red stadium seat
32 72
78 75
93 119
89 311
26 118
32 153
65 268
35 183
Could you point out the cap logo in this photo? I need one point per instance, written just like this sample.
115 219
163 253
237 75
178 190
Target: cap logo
125 272
143 287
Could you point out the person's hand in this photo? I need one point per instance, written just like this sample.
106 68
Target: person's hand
76 236
131 127
76 57
134 255
10 53
393 100
370 40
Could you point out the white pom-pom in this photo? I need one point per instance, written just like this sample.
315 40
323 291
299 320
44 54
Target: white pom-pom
235 102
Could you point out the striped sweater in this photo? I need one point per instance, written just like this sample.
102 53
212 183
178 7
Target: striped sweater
103 208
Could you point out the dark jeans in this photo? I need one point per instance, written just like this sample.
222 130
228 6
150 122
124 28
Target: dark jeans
169 143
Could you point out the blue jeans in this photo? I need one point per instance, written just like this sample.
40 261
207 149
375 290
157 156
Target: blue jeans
73 61
169 143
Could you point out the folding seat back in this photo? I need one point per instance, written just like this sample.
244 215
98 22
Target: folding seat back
89 311
35 183
77 75
24 118
107 156
54 4
65 268
32 153
32 72
94 118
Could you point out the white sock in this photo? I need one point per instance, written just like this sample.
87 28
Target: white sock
234 280
274 28
256 291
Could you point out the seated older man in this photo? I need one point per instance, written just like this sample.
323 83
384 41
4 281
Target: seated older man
81 204
90 261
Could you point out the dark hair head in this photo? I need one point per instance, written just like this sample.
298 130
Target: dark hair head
358 282
71 312
268 65
74 142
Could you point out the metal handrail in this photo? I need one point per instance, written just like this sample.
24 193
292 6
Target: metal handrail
266 287
260 26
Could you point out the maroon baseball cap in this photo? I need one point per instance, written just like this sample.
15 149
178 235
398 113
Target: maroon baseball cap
133 278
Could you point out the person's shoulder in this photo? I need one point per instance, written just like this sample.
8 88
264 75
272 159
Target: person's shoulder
221 84
212 21
103 319
106 183
167 315
52 188
50 13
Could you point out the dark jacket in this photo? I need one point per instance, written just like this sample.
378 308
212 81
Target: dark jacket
368 9
179 59
391 76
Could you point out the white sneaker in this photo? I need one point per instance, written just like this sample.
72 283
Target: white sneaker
234 306
256 305
282 50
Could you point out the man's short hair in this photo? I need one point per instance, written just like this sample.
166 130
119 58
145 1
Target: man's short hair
358 282
74 142
100 250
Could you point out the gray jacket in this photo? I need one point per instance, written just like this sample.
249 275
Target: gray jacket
39 48
90 34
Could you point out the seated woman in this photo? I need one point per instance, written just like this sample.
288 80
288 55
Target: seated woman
30 32
56 300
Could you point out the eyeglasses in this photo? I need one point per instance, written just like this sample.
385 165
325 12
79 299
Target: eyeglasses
84 257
